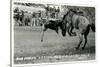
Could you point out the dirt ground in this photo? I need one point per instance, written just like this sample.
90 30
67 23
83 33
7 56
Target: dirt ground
28 48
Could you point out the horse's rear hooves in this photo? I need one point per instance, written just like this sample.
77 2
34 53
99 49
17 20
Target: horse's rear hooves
83 48
76 48
74 34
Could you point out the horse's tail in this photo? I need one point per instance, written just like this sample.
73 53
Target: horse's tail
92 26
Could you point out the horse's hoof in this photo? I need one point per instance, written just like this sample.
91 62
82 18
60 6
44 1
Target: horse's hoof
69 34
74 34
83 48
76 48
41 40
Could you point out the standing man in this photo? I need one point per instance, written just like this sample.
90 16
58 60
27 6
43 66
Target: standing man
57 12
47 10
33 19
53 12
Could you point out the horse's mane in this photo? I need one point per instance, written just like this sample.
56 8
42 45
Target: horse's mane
69 12
74 11
65 16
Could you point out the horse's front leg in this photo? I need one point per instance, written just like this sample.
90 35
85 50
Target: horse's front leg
68 29
80 41
43 34
71 31
56 30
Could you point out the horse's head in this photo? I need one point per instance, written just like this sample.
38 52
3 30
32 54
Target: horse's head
71 12
63 28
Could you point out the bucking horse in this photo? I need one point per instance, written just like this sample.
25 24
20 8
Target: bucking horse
80 23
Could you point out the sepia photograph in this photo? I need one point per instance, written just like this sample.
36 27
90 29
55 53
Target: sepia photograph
52 33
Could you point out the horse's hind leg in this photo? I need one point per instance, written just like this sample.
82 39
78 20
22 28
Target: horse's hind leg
85 37
80 41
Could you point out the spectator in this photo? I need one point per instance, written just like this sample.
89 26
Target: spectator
16 10
57 12
51 9
33 15
39 13
53 12
47 10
